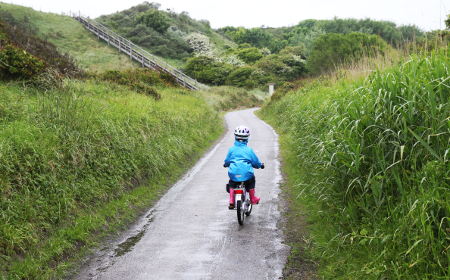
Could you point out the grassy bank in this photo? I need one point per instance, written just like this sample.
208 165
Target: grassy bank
70 37
71 161
368 164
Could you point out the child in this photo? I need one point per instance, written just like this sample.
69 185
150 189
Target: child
241 160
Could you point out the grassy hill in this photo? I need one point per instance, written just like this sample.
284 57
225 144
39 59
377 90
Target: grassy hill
70 37
165 33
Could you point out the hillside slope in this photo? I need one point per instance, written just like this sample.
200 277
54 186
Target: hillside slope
69 36
167 34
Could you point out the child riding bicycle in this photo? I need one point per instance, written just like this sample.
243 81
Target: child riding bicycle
241 160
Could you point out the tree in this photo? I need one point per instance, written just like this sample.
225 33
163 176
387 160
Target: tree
447 21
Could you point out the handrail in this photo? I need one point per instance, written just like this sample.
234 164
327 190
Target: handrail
137 53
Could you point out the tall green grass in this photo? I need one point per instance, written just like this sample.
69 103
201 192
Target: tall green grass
373 169
69 156
70 37
225 98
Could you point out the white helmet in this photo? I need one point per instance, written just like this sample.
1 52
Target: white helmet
242 132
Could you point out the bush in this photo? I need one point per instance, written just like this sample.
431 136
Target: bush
249 55
16 63
21 36
241 77
285 66
257 37
308 30
207 70
155 19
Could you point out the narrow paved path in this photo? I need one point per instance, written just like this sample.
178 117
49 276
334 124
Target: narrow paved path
190 233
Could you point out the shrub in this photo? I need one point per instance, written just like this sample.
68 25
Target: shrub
272 64
283 67
249 55
21 36
16 63
200 44
256 37
241 77
207 70
155 19
168 78
396 36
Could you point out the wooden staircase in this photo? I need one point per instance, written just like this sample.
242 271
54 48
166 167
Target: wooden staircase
139 54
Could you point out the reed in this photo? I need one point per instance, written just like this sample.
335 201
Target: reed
373 169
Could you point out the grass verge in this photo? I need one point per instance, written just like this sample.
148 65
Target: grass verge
73 161
368 161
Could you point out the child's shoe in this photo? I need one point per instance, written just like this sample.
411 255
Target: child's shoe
253 198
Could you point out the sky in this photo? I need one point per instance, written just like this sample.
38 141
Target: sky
426 14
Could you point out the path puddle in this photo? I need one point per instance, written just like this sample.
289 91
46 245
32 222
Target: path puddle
127 245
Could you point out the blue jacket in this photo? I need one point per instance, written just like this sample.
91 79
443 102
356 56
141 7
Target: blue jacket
241 160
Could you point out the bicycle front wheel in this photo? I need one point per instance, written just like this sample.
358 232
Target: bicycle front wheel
249 209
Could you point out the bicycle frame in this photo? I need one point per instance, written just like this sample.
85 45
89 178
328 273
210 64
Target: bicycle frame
242 201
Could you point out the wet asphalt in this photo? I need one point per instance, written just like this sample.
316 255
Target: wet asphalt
191 234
